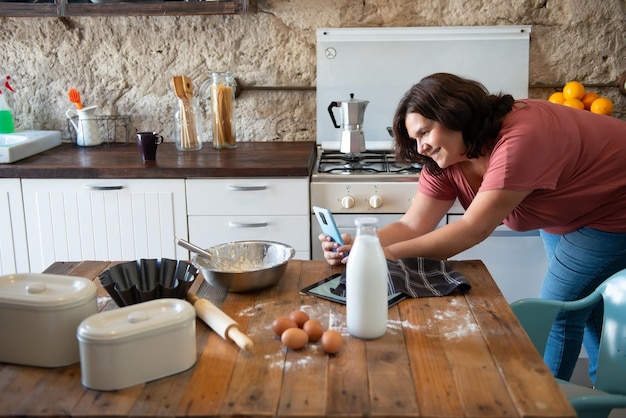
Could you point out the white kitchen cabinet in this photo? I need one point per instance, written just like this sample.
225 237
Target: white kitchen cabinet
96 219
239 209
516 260
13 244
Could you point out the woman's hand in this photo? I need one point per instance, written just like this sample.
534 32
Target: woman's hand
334 253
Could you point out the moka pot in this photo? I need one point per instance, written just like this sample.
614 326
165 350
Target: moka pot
352 114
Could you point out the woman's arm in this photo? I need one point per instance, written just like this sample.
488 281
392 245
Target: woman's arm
484 214
423 216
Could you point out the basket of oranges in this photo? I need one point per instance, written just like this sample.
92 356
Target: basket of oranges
574 94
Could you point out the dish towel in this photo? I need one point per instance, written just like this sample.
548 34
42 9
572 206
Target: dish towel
418 278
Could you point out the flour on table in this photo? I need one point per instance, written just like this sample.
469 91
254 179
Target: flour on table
452 325
396 325
103 300
251 311
278 359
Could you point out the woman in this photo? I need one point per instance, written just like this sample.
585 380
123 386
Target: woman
529 164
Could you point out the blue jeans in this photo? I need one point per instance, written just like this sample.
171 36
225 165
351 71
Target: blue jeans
578 263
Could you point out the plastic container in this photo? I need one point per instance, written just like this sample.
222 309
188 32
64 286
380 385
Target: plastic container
366 283
138 343
39 314
7 125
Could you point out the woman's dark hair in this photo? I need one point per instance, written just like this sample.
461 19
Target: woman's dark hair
458 104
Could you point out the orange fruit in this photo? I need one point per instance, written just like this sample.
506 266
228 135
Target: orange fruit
602 106
588 98
575 103
574 90
557 97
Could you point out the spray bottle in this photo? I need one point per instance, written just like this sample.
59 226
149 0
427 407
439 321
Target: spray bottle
6 118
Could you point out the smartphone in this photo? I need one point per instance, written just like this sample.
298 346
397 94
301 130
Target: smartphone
327 222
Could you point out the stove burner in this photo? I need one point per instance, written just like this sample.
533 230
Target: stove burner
368 162
353 158
395 167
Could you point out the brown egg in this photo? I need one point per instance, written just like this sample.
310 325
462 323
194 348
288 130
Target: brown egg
313 329
294 338
281 324
299 317
332 341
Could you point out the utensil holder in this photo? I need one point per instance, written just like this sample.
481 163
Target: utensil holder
112 128
186 127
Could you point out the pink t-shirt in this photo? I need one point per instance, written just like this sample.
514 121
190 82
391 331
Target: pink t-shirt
573 160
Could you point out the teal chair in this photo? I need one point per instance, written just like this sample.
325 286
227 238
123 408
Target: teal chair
537 316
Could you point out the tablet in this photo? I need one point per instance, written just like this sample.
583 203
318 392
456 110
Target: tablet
323 289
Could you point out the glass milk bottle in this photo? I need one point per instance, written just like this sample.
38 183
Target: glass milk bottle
223 86
366 283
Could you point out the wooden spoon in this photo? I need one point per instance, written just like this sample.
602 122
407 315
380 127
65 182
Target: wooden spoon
187 87
184 91
179 87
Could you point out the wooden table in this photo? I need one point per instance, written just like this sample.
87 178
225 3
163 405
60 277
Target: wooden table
456 356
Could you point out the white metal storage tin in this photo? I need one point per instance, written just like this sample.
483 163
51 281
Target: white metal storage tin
39 314
138 343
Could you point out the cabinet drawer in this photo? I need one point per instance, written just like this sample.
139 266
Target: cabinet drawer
206 231
246 196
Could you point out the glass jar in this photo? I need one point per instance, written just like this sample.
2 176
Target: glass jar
186 133
222 92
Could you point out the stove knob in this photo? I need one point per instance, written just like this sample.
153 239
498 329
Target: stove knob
347 202
375 201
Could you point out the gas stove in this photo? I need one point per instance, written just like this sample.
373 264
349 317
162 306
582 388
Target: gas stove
377 166
370 183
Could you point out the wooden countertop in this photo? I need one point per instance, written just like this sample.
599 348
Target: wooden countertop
455 356
248 159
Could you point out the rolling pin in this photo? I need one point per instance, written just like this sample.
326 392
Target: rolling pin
219 322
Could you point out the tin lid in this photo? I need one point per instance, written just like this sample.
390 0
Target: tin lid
44 291
135 321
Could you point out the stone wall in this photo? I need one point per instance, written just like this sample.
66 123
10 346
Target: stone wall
125 64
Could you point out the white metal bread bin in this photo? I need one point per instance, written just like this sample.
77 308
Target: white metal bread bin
39 314
138 343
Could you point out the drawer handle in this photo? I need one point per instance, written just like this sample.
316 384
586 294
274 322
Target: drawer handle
247 224
246 188
104 187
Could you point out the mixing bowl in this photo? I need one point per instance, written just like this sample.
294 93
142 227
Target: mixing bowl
244 266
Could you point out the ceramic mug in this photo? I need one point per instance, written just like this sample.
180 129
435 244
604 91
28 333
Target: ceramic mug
86 126
147 143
